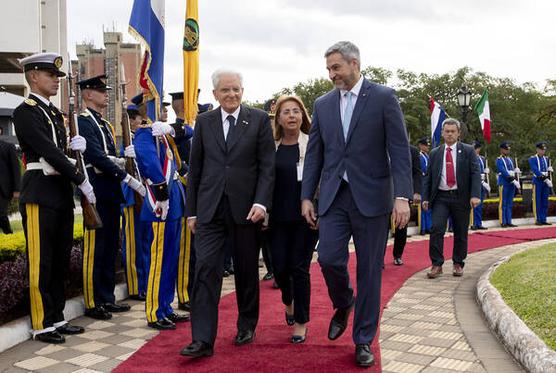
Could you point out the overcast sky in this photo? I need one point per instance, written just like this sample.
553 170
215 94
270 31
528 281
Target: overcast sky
277 43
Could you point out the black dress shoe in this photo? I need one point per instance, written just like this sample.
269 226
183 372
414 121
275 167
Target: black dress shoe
363 355
398 261
226 274
339 322
176 317
474 228
511 225
290 319
268 276
70 329
99 313
163 324
139 297
481 228
197 349
113 307
50 337
244 337
503 225
300 338
184 306
546 223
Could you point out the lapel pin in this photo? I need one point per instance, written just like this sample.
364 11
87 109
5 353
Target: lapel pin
459 151
244 122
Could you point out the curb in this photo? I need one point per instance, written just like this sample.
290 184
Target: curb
526 347
18 331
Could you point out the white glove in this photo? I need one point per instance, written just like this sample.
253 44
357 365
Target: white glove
87 190
483 176
486 186
516 183
135 185
161 129
517 170
487 170
511 173
550 169
129 151
548 182
78 144
161 209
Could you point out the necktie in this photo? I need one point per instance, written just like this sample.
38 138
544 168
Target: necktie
347 113
231 128
450 175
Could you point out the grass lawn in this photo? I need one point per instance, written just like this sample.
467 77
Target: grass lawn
527 282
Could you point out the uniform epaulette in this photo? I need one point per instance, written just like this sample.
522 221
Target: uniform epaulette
30 102
84 114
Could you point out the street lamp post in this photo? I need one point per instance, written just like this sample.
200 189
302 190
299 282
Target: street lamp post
464 100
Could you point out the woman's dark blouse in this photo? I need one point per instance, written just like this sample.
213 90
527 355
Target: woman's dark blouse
286 205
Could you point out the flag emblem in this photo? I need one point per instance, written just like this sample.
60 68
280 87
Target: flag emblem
191 35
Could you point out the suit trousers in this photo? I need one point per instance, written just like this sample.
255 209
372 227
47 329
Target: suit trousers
291 246
49 235
400 239
210 241
343 220
447 204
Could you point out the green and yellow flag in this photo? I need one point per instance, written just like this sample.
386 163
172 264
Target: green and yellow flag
191 60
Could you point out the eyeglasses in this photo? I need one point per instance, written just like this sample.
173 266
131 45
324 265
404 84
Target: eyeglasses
290 112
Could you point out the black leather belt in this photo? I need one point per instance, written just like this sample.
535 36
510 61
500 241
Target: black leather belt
453 192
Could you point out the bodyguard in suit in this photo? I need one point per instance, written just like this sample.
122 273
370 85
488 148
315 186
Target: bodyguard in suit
452 186
358 150
508 185
477 213
229 189
46 201
106 172
540 166
10 182
425 221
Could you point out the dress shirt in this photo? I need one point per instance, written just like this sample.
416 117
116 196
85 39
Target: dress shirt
43 99
225 122
343 98
443 185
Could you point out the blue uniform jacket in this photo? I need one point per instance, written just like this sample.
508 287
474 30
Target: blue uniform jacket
538 166
151 166
503 165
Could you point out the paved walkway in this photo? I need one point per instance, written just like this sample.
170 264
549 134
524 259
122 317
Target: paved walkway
428 326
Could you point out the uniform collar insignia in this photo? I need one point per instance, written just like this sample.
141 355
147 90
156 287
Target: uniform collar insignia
30 102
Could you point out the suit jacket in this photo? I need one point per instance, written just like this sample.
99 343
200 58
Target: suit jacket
375 154
41 134
468 176
9 169
242 170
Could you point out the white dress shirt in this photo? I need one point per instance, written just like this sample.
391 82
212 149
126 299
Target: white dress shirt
343 99
225 122
43 99
443 185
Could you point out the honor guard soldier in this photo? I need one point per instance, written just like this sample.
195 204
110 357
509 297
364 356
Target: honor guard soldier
542 183
163 210
186 268
476 219
508 184
135 249
425 220
105 172
46 200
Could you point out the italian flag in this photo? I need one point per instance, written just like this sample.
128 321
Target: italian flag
483 111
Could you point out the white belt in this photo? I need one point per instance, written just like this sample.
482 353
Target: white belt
97 171
34 166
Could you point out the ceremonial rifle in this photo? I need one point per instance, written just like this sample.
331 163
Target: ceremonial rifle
91 218
517 173
130 165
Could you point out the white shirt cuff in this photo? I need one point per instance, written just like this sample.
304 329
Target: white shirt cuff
259 205
191 217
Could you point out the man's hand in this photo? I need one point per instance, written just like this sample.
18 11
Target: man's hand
401 212
161 129
308 212
475 202
161 209
136 185
192 224
255 214
87 190
425 205
15 195
129 151
78 144
416 198
487 170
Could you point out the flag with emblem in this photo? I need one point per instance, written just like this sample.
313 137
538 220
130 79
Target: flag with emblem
191 60
482 109
437 117
146 24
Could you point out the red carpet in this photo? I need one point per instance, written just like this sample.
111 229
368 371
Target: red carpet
272 351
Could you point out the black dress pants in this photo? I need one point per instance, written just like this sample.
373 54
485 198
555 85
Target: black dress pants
210 243
447 204
400 239
291 247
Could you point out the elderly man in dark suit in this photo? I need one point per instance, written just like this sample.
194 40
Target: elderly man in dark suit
231 178
9 183
358 150
451 187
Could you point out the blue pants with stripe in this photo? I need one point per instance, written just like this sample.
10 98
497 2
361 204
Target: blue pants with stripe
164 238
135 251
540 193
507 193
478 211
426 220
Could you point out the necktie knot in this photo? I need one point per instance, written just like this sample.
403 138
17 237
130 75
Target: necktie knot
448 149
231 120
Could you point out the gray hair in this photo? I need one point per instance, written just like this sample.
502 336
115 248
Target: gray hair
347 49
218 74
451 121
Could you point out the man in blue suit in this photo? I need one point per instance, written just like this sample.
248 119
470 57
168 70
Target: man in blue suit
425 220
508 185
542 183
476 217
359 151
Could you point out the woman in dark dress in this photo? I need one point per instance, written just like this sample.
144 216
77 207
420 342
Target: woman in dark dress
291 240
